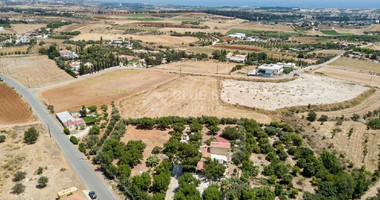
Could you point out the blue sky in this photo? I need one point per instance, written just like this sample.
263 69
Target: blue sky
287 3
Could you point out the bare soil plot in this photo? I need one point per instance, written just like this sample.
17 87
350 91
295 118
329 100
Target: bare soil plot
363 78
356 64
13 109
185 96
24 28
103 88
239 47
312 39
308 89
17 156
33 71
200 67
352 147
151 138
164 39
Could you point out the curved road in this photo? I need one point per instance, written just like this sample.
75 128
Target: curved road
76 159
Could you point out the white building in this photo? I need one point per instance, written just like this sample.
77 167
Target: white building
1 28
271 69
238 58
23 39
69 121
88 65
75 65
253 39
237 35
68 54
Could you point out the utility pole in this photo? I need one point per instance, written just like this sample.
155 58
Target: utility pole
49 130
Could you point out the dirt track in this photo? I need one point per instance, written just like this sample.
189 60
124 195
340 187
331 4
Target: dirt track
185 96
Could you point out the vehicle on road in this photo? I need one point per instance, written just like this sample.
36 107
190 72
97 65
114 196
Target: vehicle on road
92 195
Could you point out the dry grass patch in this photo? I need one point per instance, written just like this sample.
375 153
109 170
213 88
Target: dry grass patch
200 67
103 88
45 153
7 50
33 71
12 107
356 64
185 96
24 28
363 78
303 91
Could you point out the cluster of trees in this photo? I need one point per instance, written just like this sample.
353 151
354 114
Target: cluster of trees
57 24
220 55
256 16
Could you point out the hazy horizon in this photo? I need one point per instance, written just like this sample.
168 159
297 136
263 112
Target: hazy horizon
264 3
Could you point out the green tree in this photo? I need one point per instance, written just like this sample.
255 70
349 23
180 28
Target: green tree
18 188
95 130
374 124
230 133
238 156
214 129
31 136
212 193
40 170
196 127
178 127
74 140
93 108
19 176
142 181
42 181
156 150
66 131
123 171
214 170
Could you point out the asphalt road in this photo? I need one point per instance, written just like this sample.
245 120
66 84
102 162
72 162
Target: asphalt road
76 159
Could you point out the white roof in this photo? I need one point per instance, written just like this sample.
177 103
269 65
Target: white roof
65 117
218 157
271 66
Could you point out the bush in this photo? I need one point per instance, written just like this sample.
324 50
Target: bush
31 135
2 138
230 133
74 140
66 131
311 116
323 118
152 161
40 170
156 150
355 117
18 188
20 175
374 124
82 147
42 181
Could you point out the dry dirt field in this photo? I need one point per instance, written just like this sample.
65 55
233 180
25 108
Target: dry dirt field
21 49
13 109
102 88
33 71
200 67
24 28
352 147
185 96
363 78
329 51
17 156
151 138
308 89
356 64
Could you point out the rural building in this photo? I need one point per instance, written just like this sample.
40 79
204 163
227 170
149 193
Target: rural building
88 65
23 39
68 54
253 39
238 35
238 58
69 121
75 65
126 57
271 69
219 150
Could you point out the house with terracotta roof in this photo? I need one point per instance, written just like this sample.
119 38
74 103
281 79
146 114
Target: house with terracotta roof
219 150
